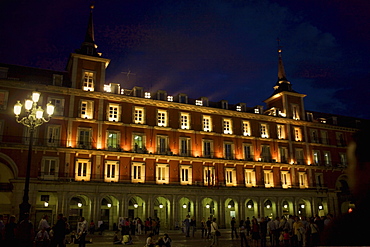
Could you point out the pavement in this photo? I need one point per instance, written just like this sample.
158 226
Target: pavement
178 239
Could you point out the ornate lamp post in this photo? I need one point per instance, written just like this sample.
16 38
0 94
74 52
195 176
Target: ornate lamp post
32 119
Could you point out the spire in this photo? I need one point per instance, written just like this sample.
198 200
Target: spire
282 83
88 47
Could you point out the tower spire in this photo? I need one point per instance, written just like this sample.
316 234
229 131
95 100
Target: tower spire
282 83
89 47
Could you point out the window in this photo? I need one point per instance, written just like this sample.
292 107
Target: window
228 126
316 157
185 120
49 168
283 154
147 95
264 131
269 180
57 80
230 177
340 139
327 158
53 136
314 136
183 98
207 148
324 137
224 104
26 134
114 112
162 118
229 150
83 170
84 138
265 153
139 115
297 134
250 178
285 179
87 108
111 171
162 145
161 95
295 112
343 159
185 174
137 172
170 98
319 180
184 146
199 102
299 156
139 143
113 140
302 177
58 105
246 128
248 151
280 131
3 99
209 175
207 123
88 81
162 174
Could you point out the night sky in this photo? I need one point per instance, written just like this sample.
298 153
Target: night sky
220 49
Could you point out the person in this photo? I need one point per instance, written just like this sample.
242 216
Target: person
263 227
127 239
167 240
92 227
203 225
214 230
59 230
81 232
43 224
193 226
149 240
187 226
347 229
117 239
2 227
248 226
314 233
9 232
286 238
242 233
42 238
233 228
25 232
208 223
255 229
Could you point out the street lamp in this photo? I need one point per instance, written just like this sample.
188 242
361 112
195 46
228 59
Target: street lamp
32 119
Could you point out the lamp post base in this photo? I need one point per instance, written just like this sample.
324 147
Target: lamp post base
24 208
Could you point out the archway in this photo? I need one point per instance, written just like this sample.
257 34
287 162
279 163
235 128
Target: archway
162 209
79 205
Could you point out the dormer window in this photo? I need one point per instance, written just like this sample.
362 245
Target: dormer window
183 98
295 112
88 81
224 104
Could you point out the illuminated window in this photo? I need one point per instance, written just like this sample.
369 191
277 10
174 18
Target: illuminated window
295 112
82 170
114 112
207 148
87 109
230 177
227 126
207 123
137 172
343 159
162 118
285 179
162 173
246 128
139 115
113 140
209 175
147 95
264 131
316 157
84 138
138 143
162 144
238 108
280 131
302 177
327 158
228 150
269 179
198 102
248 151
88 81
170 98
250 178
49 168
297 134
185 120
184 146
53 135
58 105
111 171
185 174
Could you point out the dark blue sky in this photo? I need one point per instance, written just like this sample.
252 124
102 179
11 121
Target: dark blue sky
221 49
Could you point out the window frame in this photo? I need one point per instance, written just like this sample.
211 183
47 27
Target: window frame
84 175
138 175
162 175
111 171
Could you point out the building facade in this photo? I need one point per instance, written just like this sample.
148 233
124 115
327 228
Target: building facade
110 152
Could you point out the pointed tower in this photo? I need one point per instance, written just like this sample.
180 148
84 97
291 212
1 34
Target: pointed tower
86 67
285 101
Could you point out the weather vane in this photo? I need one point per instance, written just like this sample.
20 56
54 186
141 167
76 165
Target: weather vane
128 73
